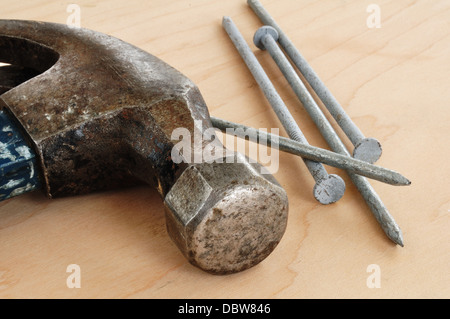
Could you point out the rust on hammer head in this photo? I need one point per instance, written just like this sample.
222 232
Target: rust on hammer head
100 112
77 109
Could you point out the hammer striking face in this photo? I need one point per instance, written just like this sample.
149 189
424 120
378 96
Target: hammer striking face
99 113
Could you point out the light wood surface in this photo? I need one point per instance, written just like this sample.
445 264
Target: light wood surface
393 82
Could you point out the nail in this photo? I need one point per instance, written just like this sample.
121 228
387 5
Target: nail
266 41
313 153
329 188
365 148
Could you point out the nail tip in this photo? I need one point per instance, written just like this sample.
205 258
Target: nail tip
399 238
402 180
399 241
406 183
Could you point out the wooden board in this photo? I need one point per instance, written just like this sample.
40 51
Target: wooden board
393 82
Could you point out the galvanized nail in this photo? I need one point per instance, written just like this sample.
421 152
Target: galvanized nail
329 188
365 148
313 153
265 40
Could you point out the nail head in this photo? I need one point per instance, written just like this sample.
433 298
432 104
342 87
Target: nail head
368 150
261 33
329 190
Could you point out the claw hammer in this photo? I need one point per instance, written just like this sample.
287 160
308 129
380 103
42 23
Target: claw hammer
98 113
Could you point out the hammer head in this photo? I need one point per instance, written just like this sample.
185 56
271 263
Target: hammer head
100 113
226 217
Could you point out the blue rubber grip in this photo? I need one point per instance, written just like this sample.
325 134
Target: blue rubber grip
18 169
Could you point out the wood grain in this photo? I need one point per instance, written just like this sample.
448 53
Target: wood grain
393 82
